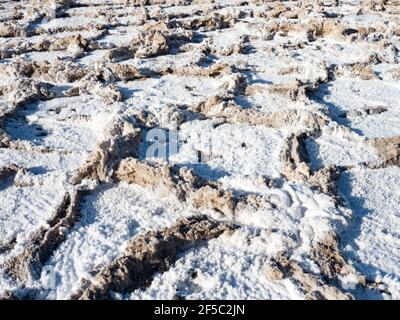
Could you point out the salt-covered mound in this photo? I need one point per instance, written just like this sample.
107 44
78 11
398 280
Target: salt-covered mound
187 149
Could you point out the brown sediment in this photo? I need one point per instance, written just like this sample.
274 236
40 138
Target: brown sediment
214 21
217 106
212 197
388 149
296 166
396 73
57 71
24 90
326 254
180 182
8 295
148 44
313 288
363 72
186 186
149 254
76 45
145 46
7 246
8 171
28 264
121 140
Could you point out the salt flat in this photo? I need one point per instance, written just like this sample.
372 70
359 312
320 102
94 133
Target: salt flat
187 149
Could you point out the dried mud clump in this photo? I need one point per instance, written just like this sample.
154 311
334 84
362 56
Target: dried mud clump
187 187
210 197
295 158
388 149
29 85
75 45
122 140
215 21
364 72
8 295
56 71
326 254
313 288
160 178
375 5
28 264
325 180
145 45
217 106
60 7
396 73
8 171
294 91
223 105
180 182
12 29
123 72
109 92
296 166
24 90
213 71
7 246
148 254
325 28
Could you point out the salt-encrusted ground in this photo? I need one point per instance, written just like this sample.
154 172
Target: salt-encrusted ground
277 171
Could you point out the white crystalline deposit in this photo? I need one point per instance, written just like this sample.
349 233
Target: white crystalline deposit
199 149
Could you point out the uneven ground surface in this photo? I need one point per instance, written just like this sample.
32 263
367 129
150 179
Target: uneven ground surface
281 177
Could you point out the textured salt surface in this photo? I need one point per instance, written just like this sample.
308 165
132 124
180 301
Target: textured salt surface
282 181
